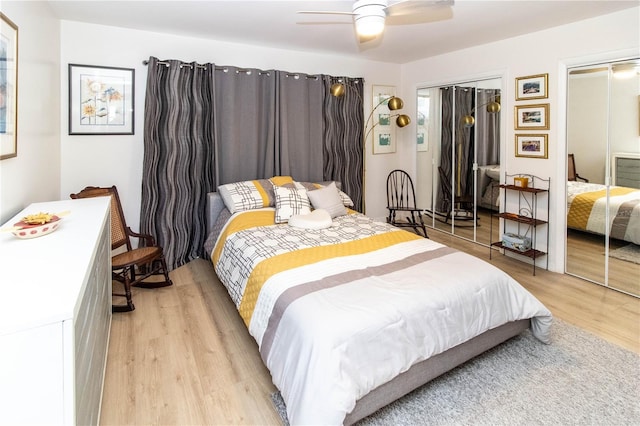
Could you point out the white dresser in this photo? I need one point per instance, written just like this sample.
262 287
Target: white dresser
55 317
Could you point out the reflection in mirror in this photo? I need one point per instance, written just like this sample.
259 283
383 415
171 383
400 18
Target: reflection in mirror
603 182
458 156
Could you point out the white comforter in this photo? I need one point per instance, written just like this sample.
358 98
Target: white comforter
335 329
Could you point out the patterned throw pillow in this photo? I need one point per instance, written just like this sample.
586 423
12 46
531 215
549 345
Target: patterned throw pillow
289 202
251 194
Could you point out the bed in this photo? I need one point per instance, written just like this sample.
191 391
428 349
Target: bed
353 314
488 196
587 208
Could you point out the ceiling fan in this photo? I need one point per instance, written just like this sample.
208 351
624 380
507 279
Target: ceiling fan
370 16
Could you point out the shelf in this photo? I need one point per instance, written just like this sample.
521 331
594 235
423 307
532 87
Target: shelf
521 219
527 201
532 253
519 188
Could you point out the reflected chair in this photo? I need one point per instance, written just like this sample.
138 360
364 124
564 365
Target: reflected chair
401 203
133 266
458 207
571 170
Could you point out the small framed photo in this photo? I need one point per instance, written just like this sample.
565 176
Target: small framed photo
532 87
532 117
101 100
8 88
534 146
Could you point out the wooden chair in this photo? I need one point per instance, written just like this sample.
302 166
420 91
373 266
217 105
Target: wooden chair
458 207
148 258
401 198
571 170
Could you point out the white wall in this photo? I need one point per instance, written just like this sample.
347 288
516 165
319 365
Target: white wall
34 175
108 160
549 51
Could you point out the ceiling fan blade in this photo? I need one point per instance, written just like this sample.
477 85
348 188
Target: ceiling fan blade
410 7
323 12
432 14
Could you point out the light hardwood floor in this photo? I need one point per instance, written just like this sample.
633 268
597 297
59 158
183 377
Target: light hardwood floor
184 357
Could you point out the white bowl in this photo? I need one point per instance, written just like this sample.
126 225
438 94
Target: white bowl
26 231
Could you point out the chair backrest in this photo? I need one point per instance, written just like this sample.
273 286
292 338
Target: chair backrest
119 235
571 168
400 191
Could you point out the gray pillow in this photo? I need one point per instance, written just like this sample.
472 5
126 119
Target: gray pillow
328 198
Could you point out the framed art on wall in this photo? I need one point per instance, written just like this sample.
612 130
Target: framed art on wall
382 130
532 117
532 87
101 100
8 88
534 146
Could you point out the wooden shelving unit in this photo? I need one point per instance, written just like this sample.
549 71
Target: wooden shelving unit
527 220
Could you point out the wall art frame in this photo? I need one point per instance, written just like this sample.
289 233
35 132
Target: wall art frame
534 117
8 88
383 130
532 87
101 100
532 145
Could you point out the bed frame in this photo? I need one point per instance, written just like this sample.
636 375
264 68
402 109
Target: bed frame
420 373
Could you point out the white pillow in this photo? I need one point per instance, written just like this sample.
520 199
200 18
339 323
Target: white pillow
328 198
317 219
289 202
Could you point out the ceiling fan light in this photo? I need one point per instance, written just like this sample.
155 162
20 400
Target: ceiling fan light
368 26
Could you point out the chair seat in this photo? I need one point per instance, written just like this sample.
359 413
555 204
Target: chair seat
135 257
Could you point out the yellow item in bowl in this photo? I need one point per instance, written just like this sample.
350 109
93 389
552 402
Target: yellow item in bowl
38 218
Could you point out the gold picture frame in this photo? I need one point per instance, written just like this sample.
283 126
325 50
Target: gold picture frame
8 88
532 87
532 117
532 145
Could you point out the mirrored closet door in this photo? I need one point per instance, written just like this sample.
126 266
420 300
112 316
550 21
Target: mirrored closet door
603 182
458 157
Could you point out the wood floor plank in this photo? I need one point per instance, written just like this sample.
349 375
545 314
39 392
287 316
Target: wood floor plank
184 356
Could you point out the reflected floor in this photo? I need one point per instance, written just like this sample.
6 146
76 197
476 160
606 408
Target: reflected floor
465 228
585 258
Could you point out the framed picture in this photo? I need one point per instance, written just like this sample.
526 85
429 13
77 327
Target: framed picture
383 130
101 100
532 117
534 146
8 88
532 87
422 125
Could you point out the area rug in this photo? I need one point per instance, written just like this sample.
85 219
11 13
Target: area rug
579 379
630 253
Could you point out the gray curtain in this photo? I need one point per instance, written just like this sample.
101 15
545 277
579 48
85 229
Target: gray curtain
487 129
456 159
207 125
179 157
344 126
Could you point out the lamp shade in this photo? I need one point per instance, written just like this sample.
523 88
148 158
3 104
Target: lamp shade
337 89
395 103
493 107
403 120
468 120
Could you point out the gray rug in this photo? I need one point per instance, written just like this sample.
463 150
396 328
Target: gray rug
579 379
630 253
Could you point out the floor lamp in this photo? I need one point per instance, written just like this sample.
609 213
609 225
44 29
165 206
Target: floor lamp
394 103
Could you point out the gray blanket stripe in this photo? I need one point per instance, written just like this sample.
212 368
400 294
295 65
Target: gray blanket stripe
621 221
292 294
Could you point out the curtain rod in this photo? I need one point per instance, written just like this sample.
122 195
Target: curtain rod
225 69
